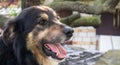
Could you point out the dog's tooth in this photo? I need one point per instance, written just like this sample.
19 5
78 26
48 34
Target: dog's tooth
47 46
57 54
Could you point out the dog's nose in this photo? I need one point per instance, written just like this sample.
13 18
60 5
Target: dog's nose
68 31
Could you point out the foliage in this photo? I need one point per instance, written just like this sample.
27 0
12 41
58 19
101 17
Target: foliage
86 21
3 19
13 13
69 19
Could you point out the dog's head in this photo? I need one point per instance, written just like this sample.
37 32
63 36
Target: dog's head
38 29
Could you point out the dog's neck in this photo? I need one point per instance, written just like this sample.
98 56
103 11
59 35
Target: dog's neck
41 59
48 62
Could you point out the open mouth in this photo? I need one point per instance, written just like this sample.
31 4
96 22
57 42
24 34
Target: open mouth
54 50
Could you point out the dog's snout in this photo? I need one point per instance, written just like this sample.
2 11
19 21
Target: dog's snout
68 31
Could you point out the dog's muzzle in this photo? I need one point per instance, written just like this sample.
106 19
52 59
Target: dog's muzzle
55 49
68 31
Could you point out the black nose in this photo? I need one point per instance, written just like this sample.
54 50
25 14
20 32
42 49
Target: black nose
68 31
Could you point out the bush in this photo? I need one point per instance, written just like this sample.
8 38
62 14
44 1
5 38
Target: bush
87 21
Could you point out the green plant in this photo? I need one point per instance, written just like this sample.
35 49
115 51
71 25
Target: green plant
13 13
87 21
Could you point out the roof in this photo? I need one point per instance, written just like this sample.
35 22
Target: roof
118 6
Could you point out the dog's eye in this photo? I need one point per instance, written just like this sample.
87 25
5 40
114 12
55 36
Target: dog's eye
42 21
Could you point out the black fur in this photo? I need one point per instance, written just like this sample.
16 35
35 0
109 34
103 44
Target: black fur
14 43
13 50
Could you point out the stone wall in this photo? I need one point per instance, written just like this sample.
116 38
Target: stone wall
85 37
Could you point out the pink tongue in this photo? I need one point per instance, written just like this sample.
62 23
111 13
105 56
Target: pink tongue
58 49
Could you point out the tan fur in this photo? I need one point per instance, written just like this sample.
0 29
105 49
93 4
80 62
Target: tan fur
41 58
44 16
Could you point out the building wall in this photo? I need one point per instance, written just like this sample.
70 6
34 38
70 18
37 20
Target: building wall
107 26
85 37
108 42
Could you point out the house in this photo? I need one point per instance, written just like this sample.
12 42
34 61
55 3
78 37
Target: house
109 30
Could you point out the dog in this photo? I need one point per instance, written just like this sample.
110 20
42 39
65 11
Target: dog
34 37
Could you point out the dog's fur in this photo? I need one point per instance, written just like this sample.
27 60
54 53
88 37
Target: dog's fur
24 38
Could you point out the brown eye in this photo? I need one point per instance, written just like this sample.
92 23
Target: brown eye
42 21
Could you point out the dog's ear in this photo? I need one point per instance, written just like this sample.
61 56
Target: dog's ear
8 31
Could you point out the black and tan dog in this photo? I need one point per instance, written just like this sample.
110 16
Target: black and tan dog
34 37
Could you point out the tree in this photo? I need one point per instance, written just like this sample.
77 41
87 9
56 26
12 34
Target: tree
98 7
28 3
65 8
